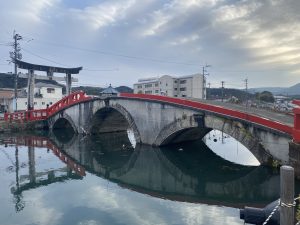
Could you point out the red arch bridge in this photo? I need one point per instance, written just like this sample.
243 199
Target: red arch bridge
160 120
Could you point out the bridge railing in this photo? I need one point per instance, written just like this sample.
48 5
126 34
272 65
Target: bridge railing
215 109
30 115
296 131
67 101
42 114
17 116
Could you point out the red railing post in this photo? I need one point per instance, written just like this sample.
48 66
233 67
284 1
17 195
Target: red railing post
296 130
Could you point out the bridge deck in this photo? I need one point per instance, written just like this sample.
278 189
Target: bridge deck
271 115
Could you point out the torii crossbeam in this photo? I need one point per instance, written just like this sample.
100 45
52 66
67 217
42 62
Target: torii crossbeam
50 70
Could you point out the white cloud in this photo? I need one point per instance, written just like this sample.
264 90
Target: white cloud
232 35
30 11
233 12
185 40
104 14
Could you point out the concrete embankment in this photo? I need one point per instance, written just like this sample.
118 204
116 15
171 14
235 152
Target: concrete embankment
13 127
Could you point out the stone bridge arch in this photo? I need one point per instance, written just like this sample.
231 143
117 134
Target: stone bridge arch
117 110
242 132
197 126
63 115
182 129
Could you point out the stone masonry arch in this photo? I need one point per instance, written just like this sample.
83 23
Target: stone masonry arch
62 115
120 109
182 129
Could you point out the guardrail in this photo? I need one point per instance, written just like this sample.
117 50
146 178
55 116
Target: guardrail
42 114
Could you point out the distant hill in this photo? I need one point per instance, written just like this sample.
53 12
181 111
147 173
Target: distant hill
293 90
88 90
124 89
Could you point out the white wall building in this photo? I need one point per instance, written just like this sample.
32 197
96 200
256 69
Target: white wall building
44 94
185 87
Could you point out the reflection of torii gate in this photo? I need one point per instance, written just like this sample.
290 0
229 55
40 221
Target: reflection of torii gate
50 70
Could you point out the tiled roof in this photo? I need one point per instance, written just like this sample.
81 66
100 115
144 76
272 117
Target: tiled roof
109 90
41 84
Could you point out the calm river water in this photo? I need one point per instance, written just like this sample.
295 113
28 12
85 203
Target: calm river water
62 179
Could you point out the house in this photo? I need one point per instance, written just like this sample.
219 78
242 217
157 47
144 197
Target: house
44 95
6 100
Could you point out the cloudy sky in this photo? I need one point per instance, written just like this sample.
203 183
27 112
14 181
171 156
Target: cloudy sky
120 41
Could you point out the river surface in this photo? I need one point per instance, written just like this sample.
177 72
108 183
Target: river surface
64 179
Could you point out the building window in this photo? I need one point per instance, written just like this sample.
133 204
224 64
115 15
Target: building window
148 92
148 85
175 95
166 84
175 89
156 84
183 95
50 90
182 81
50 103
43 103
34 103
25 103
183 89
156 91
140 92
139 86
175 81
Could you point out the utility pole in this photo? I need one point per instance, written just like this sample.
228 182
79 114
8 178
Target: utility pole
16 54
222 82
204 72
246 86
208 94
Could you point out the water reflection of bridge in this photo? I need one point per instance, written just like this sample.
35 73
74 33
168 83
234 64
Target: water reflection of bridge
194 175
35 179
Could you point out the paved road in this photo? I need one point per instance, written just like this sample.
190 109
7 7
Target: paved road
272 115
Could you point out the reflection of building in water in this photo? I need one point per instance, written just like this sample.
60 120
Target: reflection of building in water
34 178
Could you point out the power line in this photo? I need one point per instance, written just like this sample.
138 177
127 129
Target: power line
116 69
119 54
49 60
41 57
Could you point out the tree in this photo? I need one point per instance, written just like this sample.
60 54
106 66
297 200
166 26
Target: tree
265 96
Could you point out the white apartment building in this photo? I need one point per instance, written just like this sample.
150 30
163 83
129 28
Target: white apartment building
190 86
44 94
